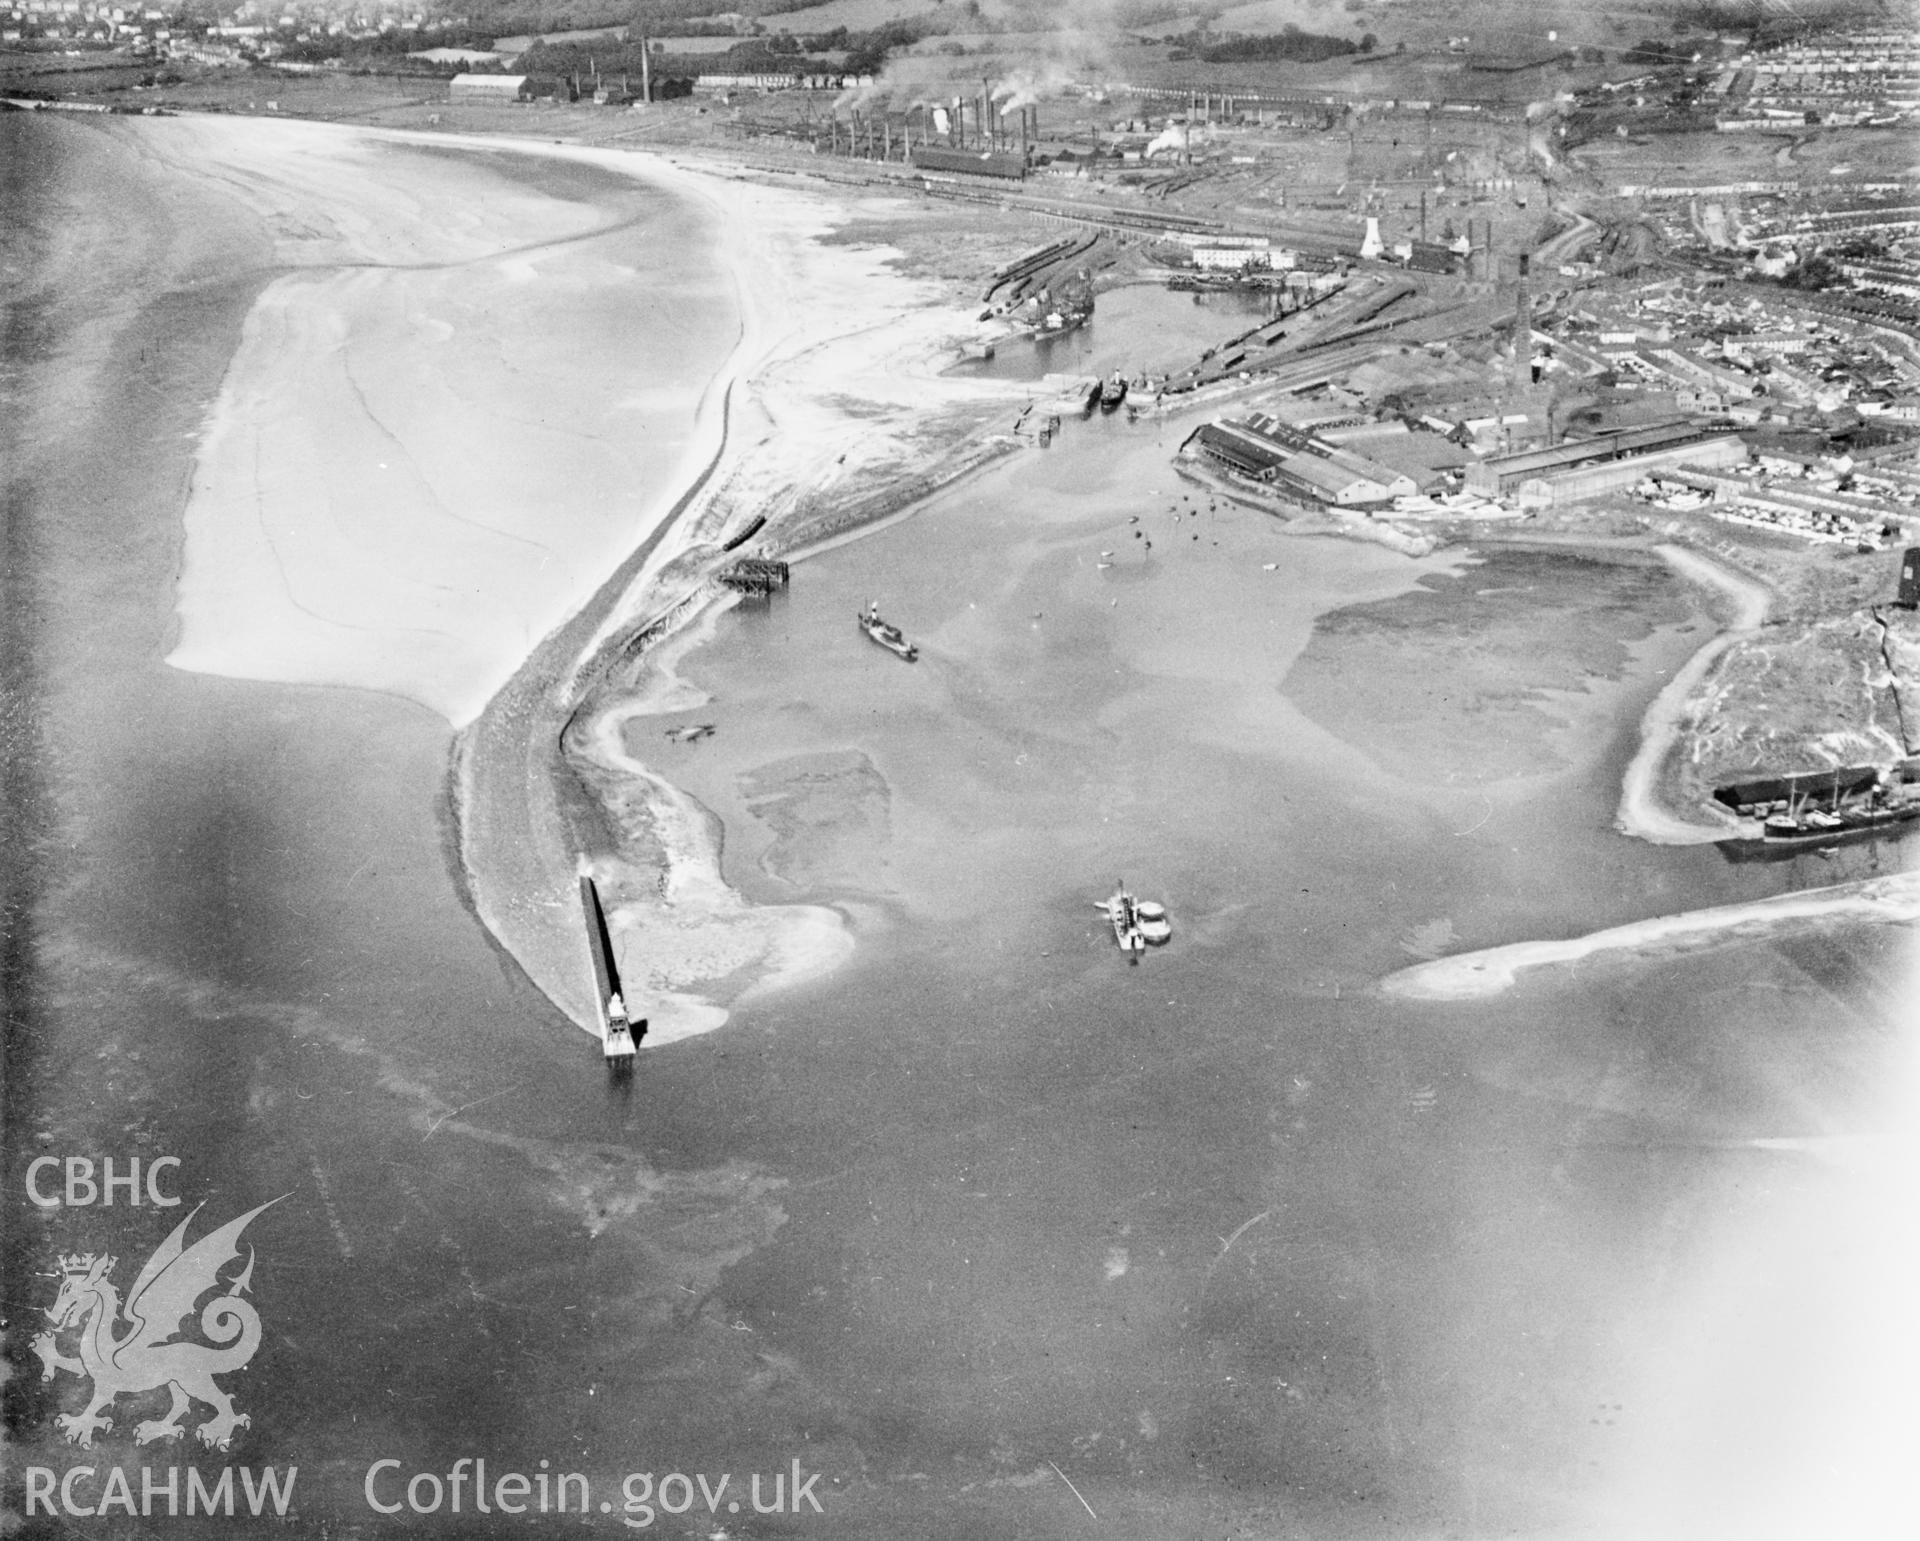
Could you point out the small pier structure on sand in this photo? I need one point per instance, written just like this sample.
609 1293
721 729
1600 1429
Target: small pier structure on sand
756 576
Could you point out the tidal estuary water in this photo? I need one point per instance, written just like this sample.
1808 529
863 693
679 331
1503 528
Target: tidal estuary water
1471 1248
1226 1239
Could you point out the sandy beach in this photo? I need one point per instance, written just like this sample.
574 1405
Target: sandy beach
236 934
833 395
527 407
498 400
687 926
1465 976
1642 813
462 403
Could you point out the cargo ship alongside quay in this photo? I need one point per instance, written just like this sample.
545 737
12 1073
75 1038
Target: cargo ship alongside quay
1819 808
1065 310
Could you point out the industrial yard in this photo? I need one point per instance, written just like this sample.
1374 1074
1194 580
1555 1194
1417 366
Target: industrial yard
1476 297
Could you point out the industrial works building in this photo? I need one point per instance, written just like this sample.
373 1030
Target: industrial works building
1597 477
1585 468
1331 471
486 88
1298 464
998 165
1236 452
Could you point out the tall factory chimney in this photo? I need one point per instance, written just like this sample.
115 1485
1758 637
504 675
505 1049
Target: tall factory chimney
1423 214
1480 257
1522 332
1909 579
646 69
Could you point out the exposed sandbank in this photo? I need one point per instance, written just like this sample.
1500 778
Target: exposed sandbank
833 394
692 928
468 399
461 405
1468 975
473 415
838 384
1641 812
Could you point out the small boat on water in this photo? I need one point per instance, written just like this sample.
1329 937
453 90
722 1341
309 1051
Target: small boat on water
1137 924
1113 392
887 635
1057 323
1153 922
1064 307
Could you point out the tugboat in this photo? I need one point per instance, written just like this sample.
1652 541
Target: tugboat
1113 392
1136 923
1064 309
890 637
1057 323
